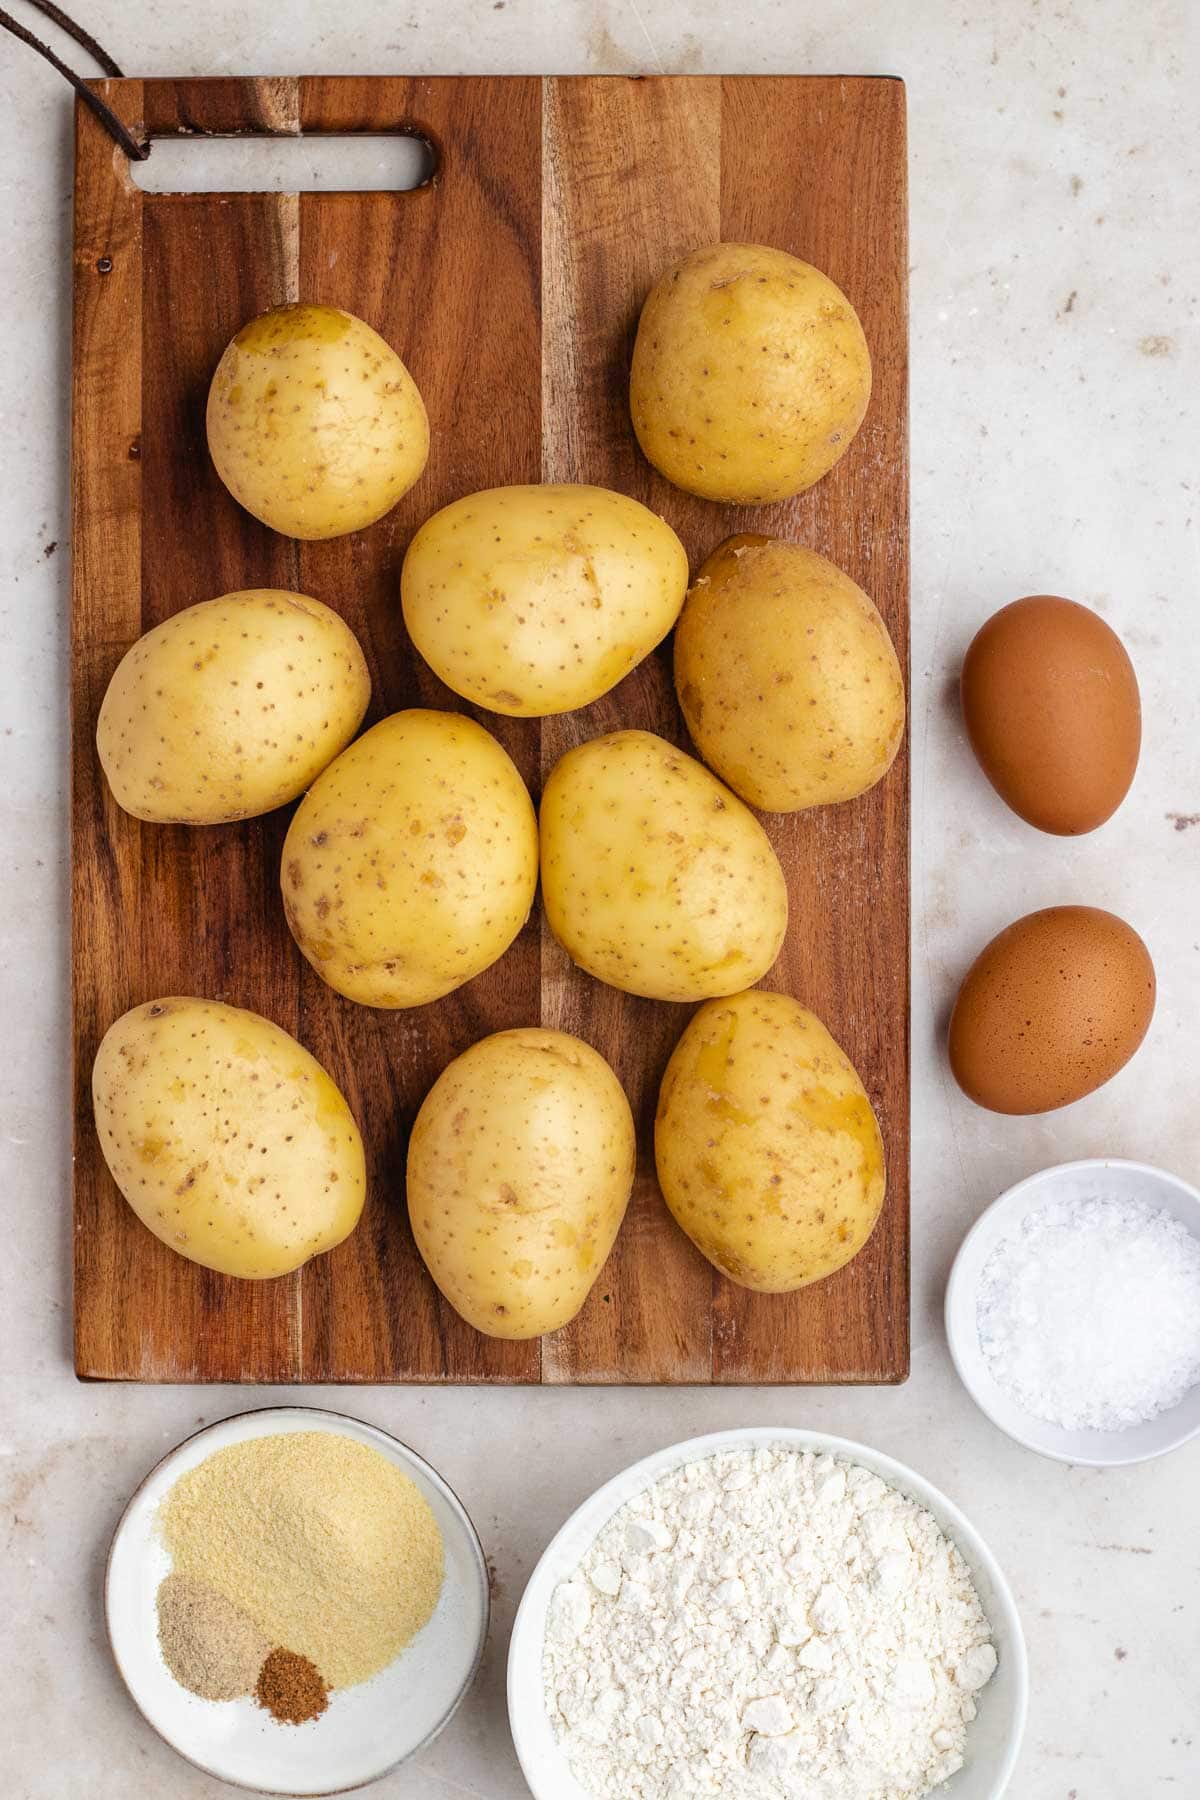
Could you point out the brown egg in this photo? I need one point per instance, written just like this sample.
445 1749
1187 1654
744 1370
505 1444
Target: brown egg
1051 706
1051 1009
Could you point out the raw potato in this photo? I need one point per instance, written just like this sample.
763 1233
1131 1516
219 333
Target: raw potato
750 374
787 676
229 1141
536 600
655 878
769 1155
231 708
314 423
520 1168
411 864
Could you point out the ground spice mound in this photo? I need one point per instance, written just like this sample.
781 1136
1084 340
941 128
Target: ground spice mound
291 1689
321 1541
209 1645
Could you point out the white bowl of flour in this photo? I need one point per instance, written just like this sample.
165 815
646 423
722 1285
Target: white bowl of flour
1073 1312
767 1615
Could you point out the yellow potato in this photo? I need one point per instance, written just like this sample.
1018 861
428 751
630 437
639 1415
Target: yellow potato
314 424
231 708
536 600
750 374
769 1155
655 878
520 1168
787 676
226 1137
411 864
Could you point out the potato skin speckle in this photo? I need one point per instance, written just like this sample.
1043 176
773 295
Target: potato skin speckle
769 1155
229 1141
314 424
786 676
750 376
520 1169
411 864
655 877
231 708
536 600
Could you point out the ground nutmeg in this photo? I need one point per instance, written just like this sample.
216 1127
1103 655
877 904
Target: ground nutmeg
291 1688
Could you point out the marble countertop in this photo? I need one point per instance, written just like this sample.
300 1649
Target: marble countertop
1055 282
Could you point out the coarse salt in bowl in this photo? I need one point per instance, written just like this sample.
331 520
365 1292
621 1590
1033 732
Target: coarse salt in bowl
1072 1185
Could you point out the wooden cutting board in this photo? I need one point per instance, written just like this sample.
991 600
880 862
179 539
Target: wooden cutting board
511 286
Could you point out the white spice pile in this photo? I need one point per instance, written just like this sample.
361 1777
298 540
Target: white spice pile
1089 1314
209 1645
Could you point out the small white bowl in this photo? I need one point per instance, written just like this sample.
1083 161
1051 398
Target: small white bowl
367 1730
993 1738
1066 1181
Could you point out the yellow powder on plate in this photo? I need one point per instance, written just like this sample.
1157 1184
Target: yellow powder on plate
327 1546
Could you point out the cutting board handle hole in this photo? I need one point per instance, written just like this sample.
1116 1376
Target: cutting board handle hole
320 163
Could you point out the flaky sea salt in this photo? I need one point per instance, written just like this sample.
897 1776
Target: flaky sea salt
1089 1314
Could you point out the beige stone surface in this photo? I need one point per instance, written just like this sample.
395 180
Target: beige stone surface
1055 281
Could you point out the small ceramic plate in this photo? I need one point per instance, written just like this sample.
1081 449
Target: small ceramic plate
993 1738
366 1730
1067 1181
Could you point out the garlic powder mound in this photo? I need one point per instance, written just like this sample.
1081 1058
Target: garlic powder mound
328 1547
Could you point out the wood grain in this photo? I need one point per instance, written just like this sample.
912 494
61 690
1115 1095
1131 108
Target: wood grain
837 197
450 275
632 182
511 286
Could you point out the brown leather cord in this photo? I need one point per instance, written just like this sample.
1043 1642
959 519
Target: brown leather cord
83 38
105 114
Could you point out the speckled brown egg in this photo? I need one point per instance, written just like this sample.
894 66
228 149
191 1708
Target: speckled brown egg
1051 706
1051 1010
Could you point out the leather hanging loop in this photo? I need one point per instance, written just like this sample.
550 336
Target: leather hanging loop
107 117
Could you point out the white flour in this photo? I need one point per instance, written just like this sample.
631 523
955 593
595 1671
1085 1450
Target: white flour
766 1625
